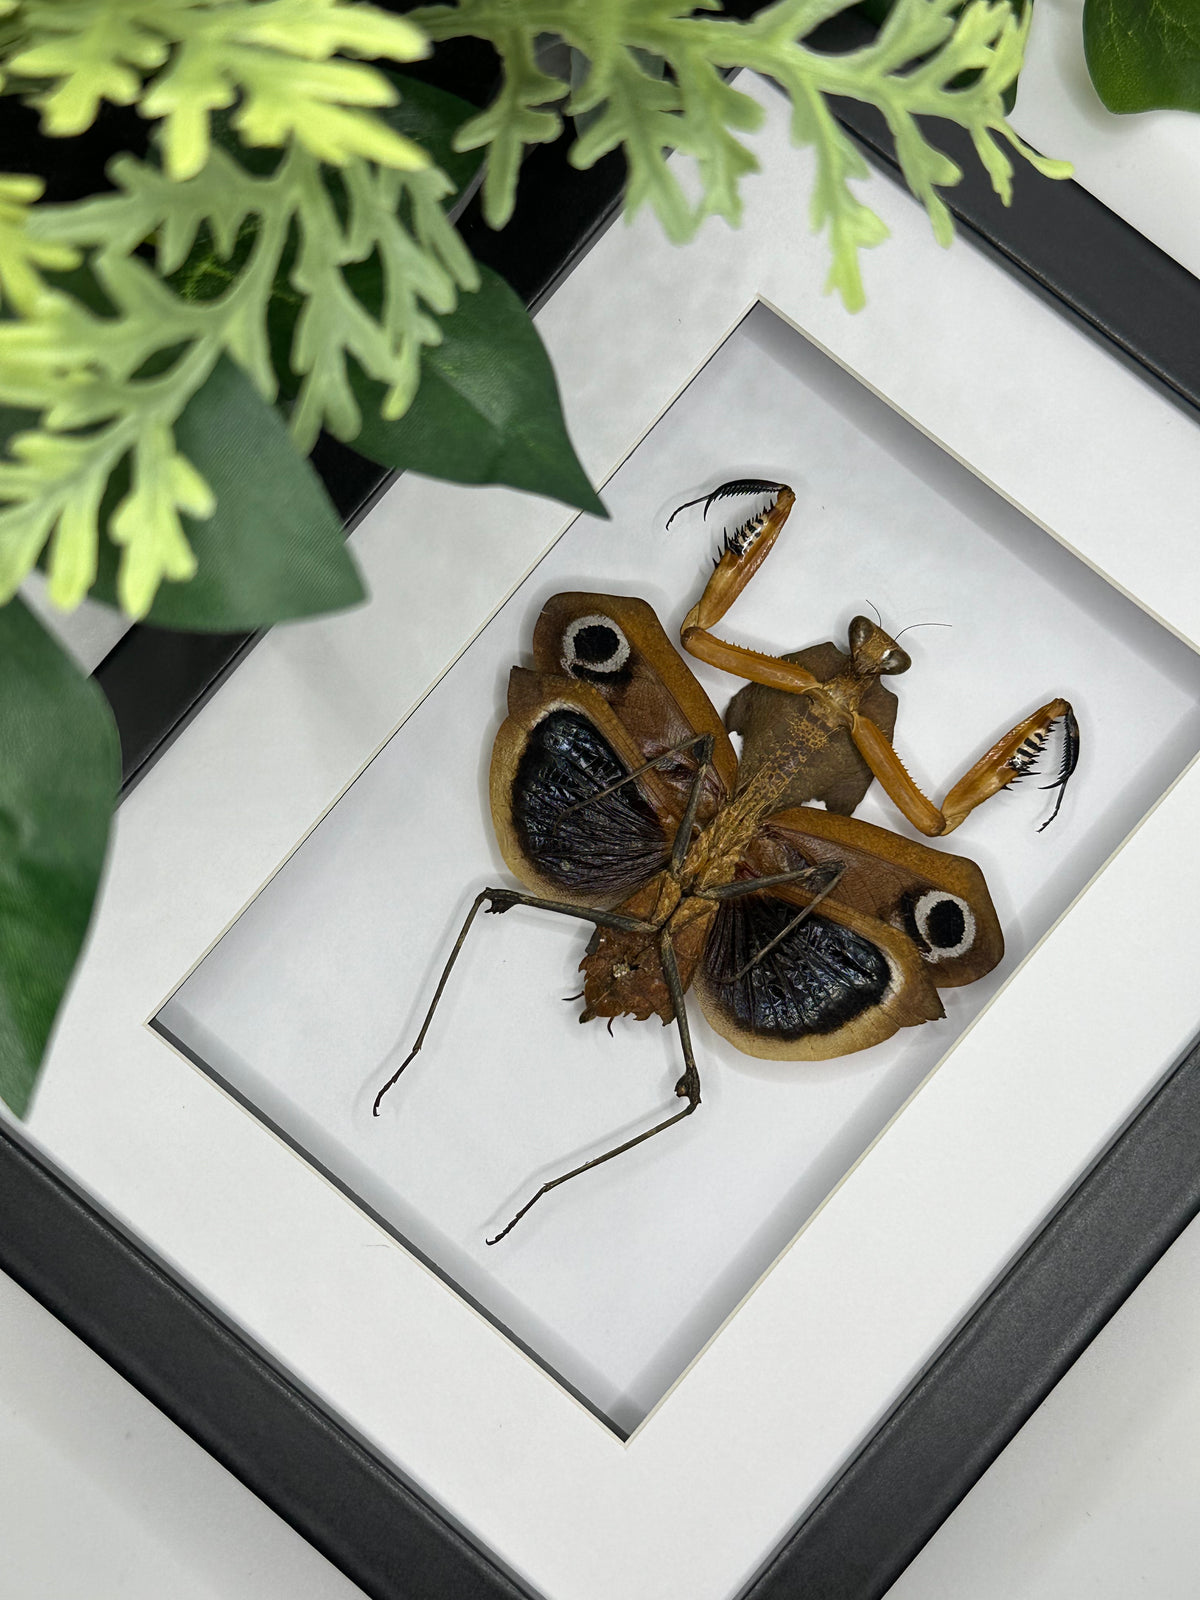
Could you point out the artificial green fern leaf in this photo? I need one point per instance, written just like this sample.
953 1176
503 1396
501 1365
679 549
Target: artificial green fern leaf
93 417
913 68
111 381
22 259
512 121
181 60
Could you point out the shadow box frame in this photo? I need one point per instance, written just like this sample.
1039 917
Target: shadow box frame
81 1242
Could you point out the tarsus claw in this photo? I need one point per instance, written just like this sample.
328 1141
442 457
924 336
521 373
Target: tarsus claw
1070 760
725 491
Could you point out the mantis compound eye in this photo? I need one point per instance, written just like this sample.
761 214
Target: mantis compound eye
594 648
861 629
895 660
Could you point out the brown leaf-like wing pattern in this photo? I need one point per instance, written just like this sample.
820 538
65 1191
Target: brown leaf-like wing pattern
938 900
617 645
608 694
903 921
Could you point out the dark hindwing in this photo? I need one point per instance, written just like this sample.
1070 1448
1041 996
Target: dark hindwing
607 696
818 978
574 834
837 982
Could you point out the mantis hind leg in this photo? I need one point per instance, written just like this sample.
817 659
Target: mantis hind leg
688 1088
499 901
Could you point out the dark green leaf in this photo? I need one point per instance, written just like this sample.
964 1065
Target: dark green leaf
432 117
1144 54
487 410
58 782
274 547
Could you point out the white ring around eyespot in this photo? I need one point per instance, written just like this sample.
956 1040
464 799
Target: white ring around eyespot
921 912
612 663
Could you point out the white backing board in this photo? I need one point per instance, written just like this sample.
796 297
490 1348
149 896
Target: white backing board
312 999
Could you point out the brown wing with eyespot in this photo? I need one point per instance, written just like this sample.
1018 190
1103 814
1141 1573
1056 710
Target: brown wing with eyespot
938 900
617 645
608 693
903 921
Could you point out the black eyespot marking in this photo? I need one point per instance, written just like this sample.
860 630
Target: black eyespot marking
942 925
595 649
945 924
596 643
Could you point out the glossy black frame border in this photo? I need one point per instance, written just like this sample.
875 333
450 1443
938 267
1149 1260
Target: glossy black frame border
979 1390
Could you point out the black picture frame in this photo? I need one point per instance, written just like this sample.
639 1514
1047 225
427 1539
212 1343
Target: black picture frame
992 1374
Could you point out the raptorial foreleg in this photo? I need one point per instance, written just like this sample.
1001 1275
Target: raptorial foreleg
745 550
1010 759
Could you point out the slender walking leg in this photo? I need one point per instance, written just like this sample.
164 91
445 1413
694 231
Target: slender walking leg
502 900
702 745
824 879
688 1088
683 833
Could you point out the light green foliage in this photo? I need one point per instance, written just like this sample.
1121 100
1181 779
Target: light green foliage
106 359
181 60
274 547
98 380
910 70
22 259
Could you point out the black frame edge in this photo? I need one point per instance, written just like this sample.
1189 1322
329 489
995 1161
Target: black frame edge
959 1415
992 1376
140 1319
1058 236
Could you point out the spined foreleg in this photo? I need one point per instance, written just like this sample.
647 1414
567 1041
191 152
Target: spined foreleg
745 550
1011 758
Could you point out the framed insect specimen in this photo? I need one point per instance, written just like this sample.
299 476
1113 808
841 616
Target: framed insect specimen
618 798
292 877
312 1000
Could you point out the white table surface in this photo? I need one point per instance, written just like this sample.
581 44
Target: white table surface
101 1495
